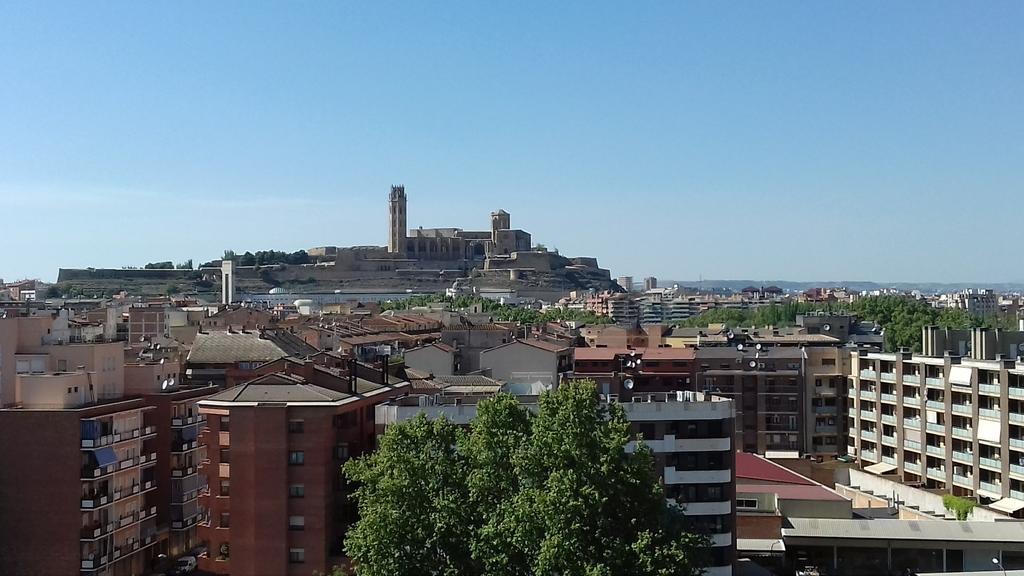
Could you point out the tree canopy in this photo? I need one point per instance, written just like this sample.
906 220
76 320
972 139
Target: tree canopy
501 312
518 494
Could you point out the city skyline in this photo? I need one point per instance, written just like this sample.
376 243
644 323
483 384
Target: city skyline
869 142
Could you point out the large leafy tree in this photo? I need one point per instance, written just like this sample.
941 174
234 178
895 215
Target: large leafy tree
518 494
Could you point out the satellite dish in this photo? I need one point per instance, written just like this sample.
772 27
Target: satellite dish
739 347
758 346
628 383
633 353
826 327
162 360
142 338
157 346
730 334
638 361
753 364
163 385
170 382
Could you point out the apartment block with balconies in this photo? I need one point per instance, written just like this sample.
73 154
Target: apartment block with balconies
948 423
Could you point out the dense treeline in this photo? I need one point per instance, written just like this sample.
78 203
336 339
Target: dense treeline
901 317
268 257
501 312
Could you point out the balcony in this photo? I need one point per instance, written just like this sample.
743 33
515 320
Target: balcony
937 474
935 427
912 467
182 472
888 418
935 404
96 531
911 379
851 392
1017 443
990 463
94 562
888 376
912 423
963 433
1017 469
188 420
869 435
963 457
869 455
1016 494
184 447
912 445
939 451
991 487
95 472
1016 392
989 389
825 410
962 409
1016 417
147 459
868 374
867 395
673 476
186 522
889 460
888 398
868 415
989 413
961 480
96 501
888 440
931 382
115 438
914 401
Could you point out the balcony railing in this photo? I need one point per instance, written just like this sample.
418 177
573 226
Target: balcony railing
182 447
1016 494
94 562
114 438
868 374
911 379
989 413
1016 392
936 450
1016 417
991 487
825 410
96 531
888 376
912 423
912 467
935 427
912 445
869 455
1017 443
888 398
962 409
183 471
867 395
935 404
868 435
888 418
990 463
937 473
868 415
1017 469
963 457
912 401
889 460
960 479
888 440
963 433
991 389
931 382
183 421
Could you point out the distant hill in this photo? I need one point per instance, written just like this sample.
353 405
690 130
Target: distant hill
856 285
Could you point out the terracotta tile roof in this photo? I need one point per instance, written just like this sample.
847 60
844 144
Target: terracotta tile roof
754 467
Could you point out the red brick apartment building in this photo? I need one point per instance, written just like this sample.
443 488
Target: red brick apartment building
648 369
88 483
274 446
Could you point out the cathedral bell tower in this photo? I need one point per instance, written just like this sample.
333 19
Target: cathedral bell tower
397 226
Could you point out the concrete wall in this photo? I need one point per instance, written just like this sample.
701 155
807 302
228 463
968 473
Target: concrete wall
511 362
53 391
432 360
909 496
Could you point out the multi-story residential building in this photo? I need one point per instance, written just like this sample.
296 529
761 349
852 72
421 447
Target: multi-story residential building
650 283
274 445
690 434
944 421
638 370
975 302
225 358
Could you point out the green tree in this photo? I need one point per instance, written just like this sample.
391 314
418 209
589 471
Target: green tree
186 265
172 289
168 265
518 494
53 291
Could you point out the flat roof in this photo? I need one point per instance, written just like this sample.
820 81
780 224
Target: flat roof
924 530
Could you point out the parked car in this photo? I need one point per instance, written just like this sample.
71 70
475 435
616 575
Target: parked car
184 565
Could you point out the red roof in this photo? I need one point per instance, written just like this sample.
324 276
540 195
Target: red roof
754 467
790 491
644 353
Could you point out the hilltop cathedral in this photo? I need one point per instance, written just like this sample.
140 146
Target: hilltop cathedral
448 244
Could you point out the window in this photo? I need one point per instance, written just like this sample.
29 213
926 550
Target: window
297 491
296 426
748 503
225 424
297 458
225 520
296 523
225 487
62 365
225 455
828 361
296 555
341 452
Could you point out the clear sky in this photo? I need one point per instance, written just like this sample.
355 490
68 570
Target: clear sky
763 140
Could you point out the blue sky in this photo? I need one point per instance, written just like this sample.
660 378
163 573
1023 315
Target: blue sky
800 140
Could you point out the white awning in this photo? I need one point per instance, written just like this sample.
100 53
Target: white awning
760 545
989 494
960 375
989 430
880 468
1008 505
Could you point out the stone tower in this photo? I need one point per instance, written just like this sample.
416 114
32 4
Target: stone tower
500 220
397 226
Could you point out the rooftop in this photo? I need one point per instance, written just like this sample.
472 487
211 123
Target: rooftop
224 347
927 530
